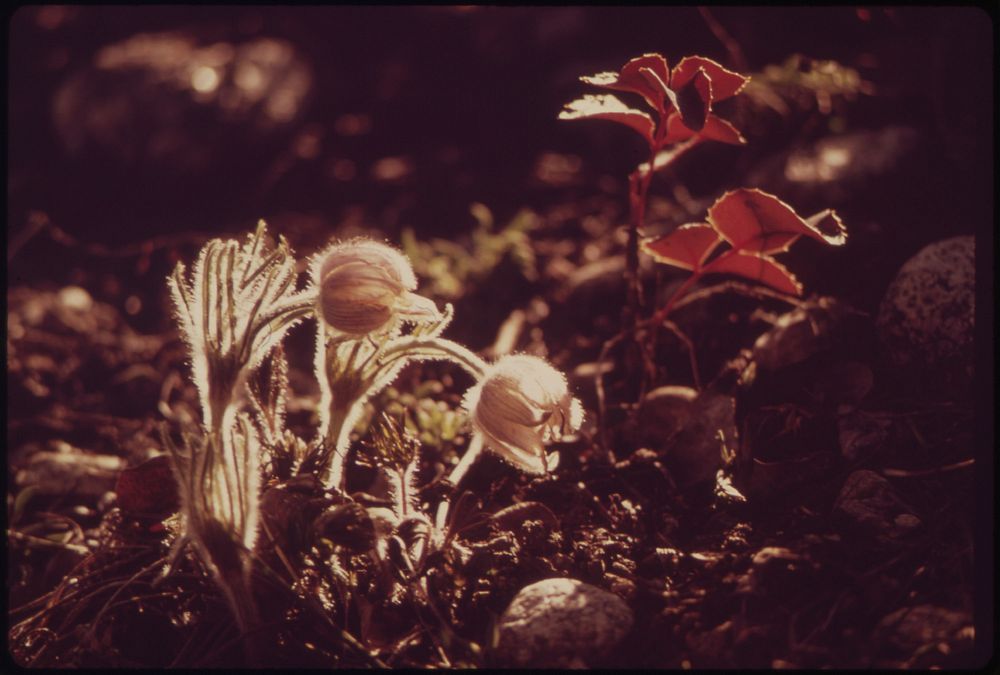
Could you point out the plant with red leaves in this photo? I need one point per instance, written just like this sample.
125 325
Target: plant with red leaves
755 225
681 100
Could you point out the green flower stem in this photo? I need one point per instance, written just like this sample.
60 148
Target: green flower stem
437 348
343 415
338 435
457 474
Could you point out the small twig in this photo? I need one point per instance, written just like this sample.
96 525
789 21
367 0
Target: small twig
737 287
907 473
114 596
48 543
675 329
602 422
39 222
727 40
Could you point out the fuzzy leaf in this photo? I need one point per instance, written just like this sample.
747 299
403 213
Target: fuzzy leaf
725 83
608 107
686 247
753 220
652 86
267 389
694 100
715 129
760 268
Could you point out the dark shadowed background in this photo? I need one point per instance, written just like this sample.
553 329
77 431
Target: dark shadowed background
126 123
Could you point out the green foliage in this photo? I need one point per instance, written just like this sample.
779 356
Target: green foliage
800 81
432 421
450 268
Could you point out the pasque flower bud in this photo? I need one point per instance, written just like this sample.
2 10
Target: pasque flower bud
365 285
522 403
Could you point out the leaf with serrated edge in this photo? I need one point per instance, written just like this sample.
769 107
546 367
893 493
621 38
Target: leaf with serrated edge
829 225
631 79
608 107
686 247
751 219
725 83
695 101
760 268
715 129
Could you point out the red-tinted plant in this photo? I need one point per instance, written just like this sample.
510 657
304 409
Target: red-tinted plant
681 100
745 228
755 225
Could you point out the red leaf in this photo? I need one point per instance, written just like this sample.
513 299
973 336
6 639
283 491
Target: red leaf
725 83
716 129
148 488
694 100
829 225
608 107
686 247
760 268
750 219
631 78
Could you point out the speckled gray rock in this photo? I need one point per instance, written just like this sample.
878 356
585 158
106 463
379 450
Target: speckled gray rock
558 623
927 316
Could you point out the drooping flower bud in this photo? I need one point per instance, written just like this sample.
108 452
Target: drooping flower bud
364 285
522 403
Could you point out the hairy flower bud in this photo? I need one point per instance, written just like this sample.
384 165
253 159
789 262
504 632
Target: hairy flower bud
364 285
522 403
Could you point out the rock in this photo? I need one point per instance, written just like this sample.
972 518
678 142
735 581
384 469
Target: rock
850 160
139 99
777 571
927 317
860 433
843 383
688 430
911 628
807 330
70 471
868 505
835 170
560 623
663 412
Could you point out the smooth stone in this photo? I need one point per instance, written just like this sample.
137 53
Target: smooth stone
559 622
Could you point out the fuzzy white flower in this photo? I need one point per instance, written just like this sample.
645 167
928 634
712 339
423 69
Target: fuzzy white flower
366 286
363 298
521 404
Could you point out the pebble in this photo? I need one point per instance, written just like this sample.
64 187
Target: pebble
559 623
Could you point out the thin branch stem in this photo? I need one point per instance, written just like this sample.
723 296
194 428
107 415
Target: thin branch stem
457 474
